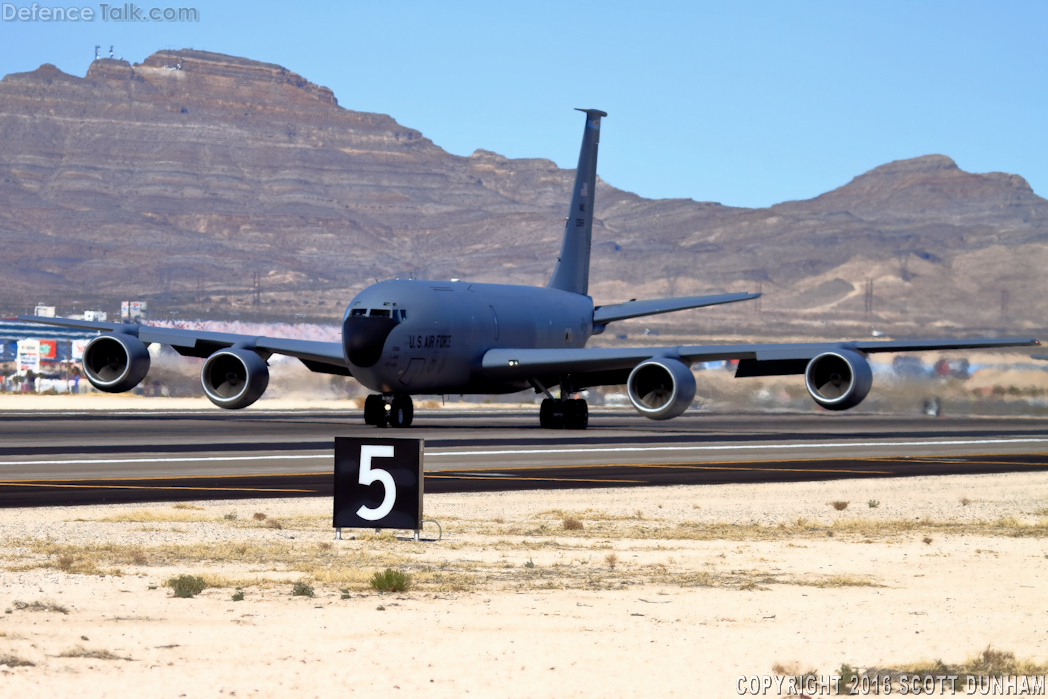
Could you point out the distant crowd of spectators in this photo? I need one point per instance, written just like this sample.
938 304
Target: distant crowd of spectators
66 381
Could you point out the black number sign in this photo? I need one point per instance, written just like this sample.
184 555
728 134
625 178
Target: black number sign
378 483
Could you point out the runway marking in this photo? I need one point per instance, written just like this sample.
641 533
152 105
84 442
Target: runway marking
736 447
13 481
505 452
714 467
479 477
165 460
152 487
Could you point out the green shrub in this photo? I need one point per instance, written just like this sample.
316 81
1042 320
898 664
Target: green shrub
238 596
187 585
302 589
390 580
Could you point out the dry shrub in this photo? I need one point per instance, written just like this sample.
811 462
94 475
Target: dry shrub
499 520
95 654
137 555
273 524
325 546
927 540
611 559
982 668
966 501
572 524
840 504
259 516
185 506
302 589
186 585
792 668
12 660
40 606
391 580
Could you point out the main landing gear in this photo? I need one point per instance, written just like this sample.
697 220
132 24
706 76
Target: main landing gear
564 414
389 410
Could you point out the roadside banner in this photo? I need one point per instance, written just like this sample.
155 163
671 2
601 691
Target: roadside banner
48 349
28 356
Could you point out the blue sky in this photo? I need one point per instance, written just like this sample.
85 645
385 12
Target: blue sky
745 103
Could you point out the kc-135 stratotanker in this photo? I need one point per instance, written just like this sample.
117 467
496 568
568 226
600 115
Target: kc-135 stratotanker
407 337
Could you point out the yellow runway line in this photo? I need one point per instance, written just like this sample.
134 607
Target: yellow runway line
165 478
533 478
154 487
703 465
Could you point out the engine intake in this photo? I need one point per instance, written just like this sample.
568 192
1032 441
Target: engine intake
115 363
234 378
838 380
661 388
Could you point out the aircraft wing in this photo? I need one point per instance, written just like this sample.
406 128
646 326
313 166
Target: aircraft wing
636 309
323 357
755 360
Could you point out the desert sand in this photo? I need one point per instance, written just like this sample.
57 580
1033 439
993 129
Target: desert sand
673 591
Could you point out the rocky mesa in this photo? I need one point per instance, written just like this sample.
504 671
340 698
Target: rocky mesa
209 184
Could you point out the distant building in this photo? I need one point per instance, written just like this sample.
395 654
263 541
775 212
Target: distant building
55 344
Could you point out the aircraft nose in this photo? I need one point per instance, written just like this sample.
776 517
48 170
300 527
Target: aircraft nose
363 338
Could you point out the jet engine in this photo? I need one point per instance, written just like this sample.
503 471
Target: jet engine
661 388
838 380
234 378
115 363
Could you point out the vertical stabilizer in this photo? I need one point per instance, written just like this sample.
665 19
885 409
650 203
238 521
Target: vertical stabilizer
572 270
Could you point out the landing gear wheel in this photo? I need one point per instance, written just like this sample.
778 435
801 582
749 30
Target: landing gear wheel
576 414
374 410
401 411
551 415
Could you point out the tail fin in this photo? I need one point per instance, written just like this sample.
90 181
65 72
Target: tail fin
572 270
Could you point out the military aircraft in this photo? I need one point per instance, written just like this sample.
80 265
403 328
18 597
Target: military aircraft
407 337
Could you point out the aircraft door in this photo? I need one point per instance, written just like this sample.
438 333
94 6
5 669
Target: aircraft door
415 367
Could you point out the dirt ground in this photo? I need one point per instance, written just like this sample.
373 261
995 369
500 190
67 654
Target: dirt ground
673 591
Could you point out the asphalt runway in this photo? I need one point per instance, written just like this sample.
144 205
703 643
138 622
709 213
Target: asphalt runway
67 458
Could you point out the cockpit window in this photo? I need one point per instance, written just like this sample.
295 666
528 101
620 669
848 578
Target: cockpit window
400 315
359 312
384 312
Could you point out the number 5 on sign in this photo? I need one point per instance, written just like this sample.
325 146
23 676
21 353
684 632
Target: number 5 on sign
369 475
378 483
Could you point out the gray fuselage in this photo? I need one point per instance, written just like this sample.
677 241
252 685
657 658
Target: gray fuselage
418 337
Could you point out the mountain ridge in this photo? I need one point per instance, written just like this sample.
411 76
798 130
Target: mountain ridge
181 178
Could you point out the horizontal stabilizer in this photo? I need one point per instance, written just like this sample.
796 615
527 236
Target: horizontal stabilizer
636 309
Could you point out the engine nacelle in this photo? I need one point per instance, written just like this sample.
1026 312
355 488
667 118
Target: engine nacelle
661 388
234 378
838 380
115 363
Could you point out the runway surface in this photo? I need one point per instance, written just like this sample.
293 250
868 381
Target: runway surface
66 458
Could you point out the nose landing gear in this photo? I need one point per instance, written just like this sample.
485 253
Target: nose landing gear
389 410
